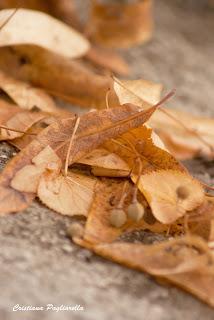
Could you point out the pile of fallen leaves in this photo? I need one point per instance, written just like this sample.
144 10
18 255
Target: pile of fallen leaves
116 164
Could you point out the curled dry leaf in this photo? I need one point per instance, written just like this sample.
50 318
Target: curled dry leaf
26 96
186 262
121 24
58 75
39 29
68 195
94 129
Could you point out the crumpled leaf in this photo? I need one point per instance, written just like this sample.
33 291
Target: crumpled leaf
70 195
186 262
58 75
39 29
93 130
26 96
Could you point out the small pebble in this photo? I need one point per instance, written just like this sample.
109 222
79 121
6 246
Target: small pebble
67 248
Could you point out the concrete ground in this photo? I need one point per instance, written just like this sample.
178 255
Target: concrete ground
38 263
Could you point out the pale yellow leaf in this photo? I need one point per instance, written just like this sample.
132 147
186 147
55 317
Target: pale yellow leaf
70 195
171 194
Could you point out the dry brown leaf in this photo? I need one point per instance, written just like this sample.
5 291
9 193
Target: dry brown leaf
58 75
39 29
97 127
121 24
186 262
94 129
26 96
68 195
